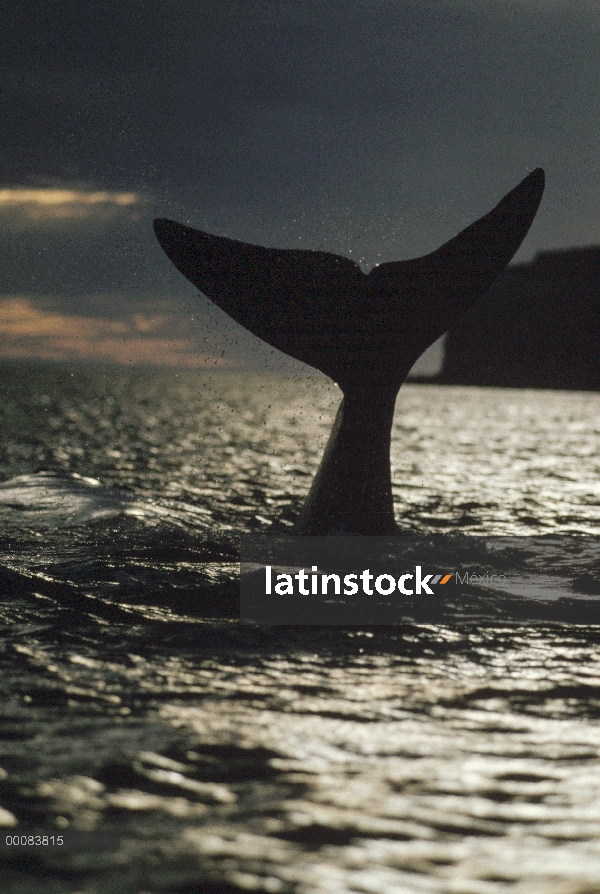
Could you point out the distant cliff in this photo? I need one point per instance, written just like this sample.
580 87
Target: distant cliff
538 327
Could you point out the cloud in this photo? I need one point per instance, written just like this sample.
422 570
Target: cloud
30 332
23 206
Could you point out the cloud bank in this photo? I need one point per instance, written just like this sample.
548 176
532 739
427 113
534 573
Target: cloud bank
30 332
25 206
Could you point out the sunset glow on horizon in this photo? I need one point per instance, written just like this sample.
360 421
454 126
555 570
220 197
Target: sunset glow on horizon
29 332
31 205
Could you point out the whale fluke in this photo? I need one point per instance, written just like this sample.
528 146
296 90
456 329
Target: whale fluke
365 331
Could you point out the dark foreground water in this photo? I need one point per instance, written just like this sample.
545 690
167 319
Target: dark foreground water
455 754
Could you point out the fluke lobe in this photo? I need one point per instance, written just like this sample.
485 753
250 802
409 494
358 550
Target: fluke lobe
365 331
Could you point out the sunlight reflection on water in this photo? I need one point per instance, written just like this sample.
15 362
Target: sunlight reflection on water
423 757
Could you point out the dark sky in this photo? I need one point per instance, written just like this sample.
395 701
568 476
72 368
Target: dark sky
376 129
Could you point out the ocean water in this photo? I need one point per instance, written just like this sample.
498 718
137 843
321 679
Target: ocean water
190 754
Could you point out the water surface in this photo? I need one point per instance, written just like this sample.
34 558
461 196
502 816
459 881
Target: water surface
445 756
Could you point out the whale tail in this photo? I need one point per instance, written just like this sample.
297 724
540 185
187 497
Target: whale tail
365 331
322 309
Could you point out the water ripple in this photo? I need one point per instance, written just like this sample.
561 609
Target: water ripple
455 754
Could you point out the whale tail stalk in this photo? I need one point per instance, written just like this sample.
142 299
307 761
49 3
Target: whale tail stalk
365 331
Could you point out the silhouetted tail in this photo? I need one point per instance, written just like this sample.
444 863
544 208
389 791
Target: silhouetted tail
365 331
322 309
